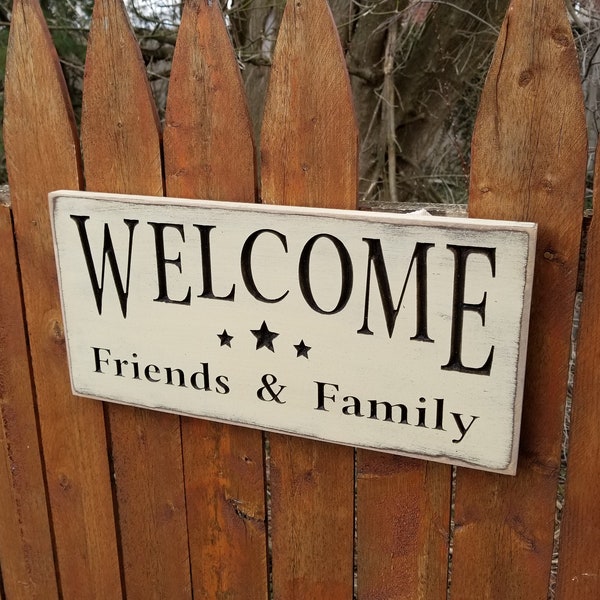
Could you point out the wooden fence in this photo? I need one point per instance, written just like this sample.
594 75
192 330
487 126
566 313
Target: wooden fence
107 501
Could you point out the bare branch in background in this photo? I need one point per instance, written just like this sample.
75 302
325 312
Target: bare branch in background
416 69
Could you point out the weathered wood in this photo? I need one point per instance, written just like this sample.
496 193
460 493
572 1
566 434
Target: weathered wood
579 558
209 153
26 553
529 162
121 149
309 157
43 155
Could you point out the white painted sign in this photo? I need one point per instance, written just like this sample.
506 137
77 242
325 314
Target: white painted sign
398 333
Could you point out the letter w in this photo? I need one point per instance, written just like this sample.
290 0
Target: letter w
108 252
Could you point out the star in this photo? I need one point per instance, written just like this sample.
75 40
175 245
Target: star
225 338
264 337
302 349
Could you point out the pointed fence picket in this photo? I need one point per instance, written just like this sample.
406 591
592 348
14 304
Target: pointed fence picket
43 154
528 163
309 157
121 149
108 501
209 153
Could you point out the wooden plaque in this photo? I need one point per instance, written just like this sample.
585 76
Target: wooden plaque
398 333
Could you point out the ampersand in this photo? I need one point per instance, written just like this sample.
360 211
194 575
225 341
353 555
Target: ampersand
268 381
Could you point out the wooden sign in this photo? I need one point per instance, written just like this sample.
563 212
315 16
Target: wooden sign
403 334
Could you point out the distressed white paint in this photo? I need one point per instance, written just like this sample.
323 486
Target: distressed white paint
341 363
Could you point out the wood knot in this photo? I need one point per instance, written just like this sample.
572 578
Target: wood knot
57 333
65 483
485 189
560 38
547 185
525 78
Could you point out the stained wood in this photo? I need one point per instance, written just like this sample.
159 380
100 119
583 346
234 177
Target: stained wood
529 161
207 121
43 155
209 153
26 552
309 136
121 149
309 157
403 522
579 564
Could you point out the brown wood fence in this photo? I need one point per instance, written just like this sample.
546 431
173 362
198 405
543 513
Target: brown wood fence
105 501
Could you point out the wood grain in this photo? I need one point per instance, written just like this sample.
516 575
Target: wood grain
121 148
528 163
309 156
26 552
209 153
309 135
403 523
43 155
579 564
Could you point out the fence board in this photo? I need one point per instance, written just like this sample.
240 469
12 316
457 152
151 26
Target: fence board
309 157
579 559
26 553
121 148
43 155
209 153
528 163
403 513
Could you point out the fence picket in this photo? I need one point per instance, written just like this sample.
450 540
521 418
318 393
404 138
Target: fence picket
121 148
43 155
26 553
309 157
209 153
528 163
579 559
402 557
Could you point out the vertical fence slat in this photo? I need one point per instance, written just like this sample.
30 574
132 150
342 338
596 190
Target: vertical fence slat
26 553
529 162
579 558
309 157
121 148
209 153
309 135
43 155
403 521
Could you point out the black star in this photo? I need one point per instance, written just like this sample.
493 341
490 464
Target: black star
302 349
264 337
225 338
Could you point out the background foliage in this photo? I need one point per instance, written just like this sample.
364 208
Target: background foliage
416 66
